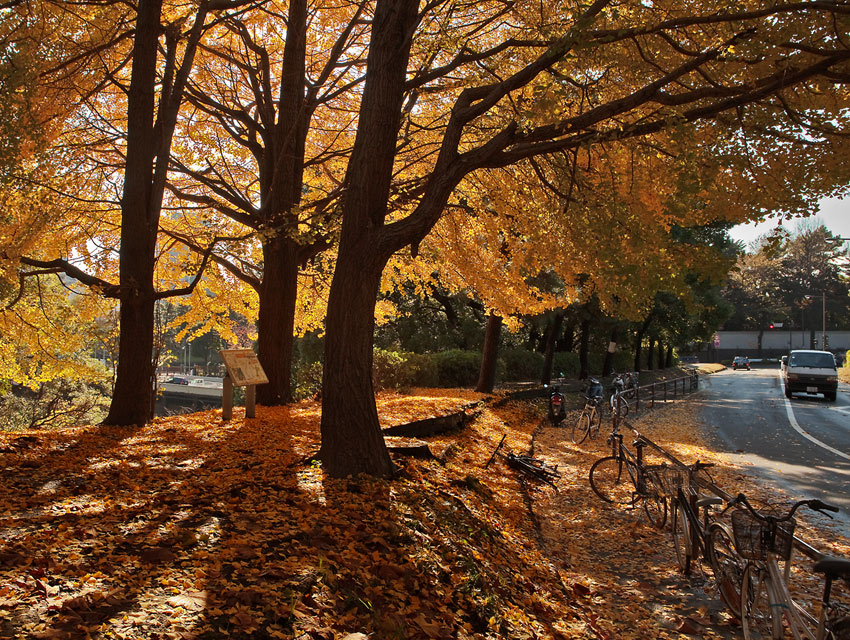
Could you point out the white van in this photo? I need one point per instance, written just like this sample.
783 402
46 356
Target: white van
811 372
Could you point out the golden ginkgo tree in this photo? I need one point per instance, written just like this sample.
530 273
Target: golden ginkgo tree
644 69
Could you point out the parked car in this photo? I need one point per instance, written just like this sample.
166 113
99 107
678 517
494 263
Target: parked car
741 362
810 371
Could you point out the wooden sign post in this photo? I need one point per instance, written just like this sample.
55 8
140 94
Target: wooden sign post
243 370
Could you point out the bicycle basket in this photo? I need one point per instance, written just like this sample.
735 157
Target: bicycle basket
754 538
670 479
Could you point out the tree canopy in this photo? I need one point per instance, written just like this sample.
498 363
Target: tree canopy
789 278
272 139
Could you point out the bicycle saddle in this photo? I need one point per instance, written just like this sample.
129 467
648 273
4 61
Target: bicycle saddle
835 567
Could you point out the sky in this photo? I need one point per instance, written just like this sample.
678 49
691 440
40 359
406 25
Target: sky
834 214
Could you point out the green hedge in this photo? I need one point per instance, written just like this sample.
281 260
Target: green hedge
457 368
565 365
522 364
306 380
453 368
402 370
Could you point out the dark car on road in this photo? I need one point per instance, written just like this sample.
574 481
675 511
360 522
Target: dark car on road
741 362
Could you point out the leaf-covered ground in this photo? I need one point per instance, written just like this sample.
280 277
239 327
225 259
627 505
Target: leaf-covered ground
194 528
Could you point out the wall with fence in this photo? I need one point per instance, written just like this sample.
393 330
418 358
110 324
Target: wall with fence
774 343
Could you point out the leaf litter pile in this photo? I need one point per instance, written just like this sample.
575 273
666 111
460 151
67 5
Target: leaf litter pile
193 528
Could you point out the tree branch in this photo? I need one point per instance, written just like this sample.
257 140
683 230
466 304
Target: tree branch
107 289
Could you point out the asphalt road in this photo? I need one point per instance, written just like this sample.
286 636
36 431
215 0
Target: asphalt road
802 445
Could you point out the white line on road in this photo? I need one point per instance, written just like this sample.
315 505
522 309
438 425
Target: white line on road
796 426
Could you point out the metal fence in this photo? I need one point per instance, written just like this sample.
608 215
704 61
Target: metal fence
647 396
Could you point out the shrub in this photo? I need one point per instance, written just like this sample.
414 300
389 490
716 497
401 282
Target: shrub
402 370
457 368
307 380
52 405
565 365
423 369
522 364
387 369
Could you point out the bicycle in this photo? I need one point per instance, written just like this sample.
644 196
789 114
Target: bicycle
590 420
625 384
765 540
704 537
619 405
622 479
528 465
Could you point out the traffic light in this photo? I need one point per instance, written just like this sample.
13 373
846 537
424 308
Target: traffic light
770 326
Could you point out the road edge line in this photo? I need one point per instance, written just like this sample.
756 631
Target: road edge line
796 426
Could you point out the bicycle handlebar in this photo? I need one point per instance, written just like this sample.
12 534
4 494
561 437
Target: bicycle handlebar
815 505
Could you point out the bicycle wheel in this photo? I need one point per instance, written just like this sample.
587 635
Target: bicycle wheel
595 421
757 619
581 428
727 565
611 480
681 538
654 502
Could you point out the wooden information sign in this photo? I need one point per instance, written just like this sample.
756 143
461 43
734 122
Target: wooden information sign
243 370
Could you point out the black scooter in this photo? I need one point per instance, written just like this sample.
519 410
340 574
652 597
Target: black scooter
557 408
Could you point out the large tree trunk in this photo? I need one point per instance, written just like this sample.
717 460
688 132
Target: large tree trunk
132 398
608 364
533 339
584 349
552 332
641 332
351 437
282 162
569 338
489 357
276 321
650 354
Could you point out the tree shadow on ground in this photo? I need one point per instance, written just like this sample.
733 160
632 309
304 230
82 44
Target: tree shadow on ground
194 528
